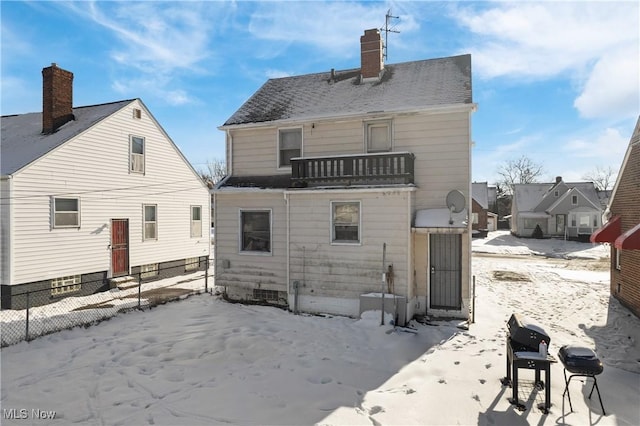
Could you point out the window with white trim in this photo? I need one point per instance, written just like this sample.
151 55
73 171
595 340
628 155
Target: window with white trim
255 231
64 285
150 212
289 145
574 200
617 258
345 222
136 154
378 136
66 212
475 218
196 221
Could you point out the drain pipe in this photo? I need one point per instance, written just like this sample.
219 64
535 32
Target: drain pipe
384 281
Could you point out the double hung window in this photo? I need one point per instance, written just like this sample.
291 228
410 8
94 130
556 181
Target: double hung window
255 231
289 145
345 222
150 221
66 212
136 154
378 136
196 221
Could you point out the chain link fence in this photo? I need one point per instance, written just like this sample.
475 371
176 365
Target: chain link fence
140 290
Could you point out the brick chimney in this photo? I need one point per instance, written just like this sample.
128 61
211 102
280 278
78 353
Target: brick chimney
57 98
371 59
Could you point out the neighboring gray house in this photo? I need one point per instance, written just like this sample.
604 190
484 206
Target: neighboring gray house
90 194
562 209
337 176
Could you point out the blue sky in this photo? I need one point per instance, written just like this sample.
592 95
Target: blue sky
558 82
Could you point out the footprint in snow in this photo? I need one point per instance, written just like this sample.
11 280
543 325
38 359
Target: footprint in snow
443 381
488 366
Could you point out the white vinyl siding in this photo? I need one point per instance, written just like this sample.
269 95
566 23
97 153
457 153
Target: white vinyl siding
66 212
109 190
289 145
137 149
150 212
239 269
196 221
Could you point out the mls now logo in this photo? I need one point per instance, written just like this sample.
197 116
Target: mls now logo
23 413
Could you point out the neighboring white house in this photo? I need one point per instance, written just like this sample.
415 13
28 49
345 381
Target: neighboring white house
562 209
93 193
338 176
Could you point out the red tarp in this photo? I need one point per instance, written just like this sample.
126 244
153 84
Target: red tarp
608 233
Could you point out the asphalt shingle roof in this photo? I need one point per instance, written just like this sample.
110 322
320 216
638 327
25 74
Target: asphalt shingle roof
22 140
403 87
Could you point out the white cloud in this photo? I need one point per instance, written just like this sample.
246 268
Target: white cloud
606 146
332 27
595 44
613 87
157 40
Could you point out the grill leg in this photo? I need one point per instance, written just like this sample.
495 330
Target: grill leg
595 386
566 389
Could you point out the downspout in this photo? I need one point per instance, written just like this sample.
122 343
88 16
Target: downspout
295 301
410 263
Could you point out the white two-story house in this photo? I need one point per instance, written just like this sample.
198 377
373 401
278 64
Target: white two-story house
91 194
337 177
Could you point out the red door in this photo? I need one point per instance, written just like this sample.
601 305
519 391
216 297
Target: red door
119 247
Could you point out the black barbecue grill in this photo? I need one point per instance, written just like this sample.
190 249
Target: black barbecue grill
580 362
523 340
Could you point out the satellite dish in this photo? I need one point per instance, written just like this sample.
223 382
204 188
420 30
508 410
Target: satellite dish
455 201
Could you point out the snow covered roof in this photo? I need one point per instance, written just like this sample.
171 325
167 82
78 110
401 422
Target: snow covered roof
440 218
23 141
528 196
406 86
480 193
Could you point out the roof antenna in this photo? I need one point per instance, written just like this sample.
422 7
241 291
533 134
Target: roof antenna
387 18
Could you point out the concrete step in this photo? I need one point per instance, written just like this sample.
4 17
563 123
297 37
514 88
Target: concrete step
123 283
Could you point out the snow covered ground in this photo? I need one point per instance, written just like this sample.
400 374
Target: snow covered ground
203 361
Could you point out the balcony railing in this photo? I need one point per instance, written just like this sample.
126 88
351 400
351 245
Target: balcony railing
363 169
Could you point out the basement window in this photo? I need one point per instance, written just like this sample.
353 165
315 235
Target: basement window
148 271
260 294
64 285
191 263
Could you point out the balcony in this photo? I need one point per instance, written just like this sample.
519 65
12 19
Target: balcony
345 170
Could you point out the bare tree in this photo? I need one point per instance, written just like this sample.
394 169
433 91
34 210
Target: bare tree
215 170
602 177
521 170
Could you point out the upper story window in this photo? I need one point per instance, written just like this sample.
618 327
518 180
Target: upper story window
378 136
289 145
136 154
150 222
196 221
345 222
66 212
255 231
574 200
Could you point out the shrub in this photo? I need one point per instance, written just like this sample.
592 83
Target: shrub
537 233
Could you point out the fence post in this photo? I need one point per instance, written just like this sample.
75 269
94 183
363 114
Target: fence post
27 322
139 288
206 276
